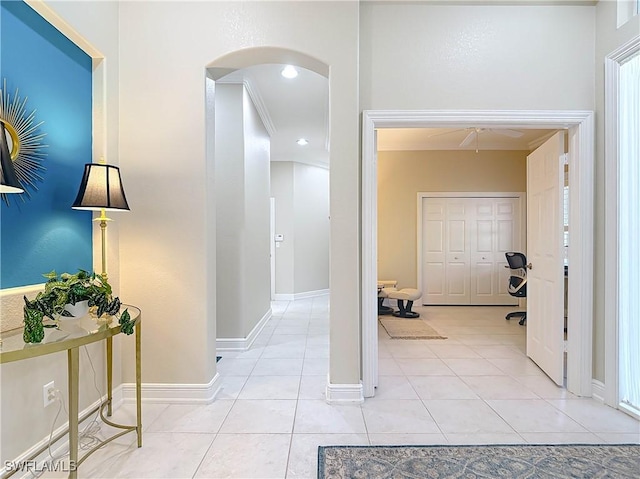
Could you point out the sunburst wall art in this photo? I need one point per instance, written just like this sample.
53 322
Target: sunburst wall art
25 141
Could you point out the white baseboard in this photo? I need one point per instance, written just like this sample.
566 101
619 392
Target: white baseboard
597 390
297 296
172 393
243 344
344 393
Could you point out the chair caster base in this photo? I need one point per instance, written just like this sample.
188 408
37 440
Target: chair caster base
517 314
406 314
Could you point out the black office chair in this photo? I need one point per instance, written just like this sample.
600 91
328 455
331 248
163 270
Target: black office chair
517 282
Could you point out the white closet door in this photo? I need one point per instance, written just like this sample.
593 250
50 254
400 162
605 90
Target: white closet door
508 238
457 251
483 274
463 245
495 231
433 251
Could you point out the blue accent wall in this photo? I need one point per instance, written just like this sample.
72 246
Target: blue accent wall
44 233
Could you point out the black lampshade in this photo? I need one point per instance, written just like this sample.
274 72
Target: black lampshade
101 188
9 180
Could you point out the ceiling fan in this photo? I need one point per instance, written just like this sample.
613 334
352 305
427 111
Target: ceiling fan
474 133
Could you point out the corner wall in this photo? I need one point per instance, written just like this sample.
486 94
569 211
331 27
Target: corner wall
242 223
166 244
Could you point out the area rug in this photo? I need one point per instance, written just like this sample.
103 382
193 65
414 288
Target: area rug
591 461
402 328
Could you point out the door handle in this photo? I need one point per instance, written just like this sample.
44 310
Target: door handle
529 266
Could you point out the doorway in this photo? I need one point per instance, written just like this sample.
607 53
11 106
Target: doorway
581 138
255 119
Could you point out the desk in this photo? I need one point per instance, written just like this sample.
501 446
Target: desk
71 334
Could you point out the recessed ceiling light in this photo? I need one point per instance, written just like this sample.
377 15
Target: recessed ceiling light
302 142
289 72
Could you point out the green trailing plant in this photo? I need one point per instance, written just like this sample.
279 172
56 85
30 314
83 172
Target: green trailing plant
33 328
67 288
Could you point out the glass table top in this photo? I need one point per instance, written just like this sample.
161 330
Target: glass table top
68 333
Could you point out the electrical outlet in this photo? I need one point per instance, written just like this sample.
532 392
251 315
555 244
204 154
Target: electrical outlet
49 393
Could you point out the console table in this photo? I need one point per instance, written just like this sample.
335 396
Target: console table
69 336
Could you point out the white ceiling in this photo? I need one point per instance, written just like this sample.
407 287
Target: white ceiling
290 109
299 108
398 139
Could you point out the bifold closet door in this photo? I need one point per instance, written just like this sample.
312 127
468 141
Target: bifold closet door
494 230
463 244
445 251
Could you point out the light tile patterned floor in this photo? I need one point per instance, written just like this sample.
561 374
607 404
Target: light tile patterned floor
476 387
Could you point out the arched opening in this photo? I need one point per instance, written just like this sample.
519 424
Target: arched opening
253 118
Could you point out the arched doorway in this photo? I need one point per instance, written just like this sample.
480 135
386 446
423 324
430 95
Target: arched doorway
252 111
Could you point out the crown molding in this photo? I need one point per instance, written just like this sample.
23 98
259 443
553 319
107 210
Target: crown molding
257 100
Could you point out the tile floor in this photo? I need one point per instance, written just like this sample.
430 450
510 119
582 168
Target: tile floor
476 387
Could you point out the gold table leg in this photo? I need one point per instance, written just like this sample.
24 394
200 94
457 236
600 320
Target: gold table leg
73 364
109 375
139 383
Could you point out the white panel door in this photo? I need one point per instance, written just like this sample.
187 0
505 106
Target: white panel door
494 230
545 279
508 238
433 251
457 251
481 235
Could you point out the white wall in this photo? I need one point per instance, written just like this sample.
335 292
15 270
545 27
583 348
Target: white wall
282 190
166 241
425 56
256 284
311 217
301 192
230 221
242 224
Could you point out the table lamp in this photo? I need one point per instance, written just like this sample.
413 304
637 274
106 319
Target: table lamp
101 190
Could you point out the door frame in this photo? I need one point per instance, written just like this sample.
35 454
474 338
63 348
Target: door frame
464 194
581 128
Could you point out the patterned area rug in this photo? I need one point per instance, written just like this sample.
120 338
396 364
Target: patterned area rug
480 462
403 328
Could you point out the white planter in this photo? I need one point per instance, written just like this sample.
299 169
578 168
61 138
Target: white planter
81 308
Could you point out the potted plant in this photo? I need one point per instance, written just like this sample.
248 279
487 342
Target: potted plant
66 290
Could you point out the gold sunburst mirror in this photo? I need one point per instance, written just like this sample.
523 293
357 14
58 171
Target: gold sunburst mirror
24 140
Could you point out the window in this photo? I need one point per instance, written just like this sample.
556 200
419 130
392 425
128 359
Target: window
629 232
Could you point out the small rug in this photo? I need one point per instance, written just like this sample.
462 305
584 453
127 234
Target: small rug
403 328
476 462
